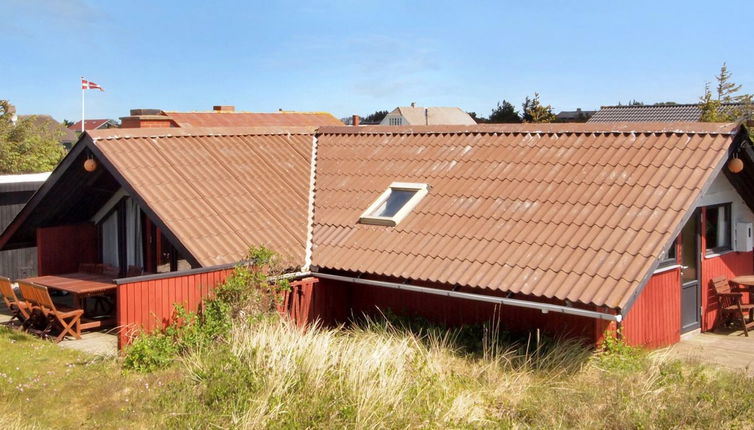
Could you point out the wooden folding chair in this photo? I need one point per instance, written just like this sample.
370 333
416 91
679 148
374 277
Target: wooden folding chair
18 308
66 320
730 305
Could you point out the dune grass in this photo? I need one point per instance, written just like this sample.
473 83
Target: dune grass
270 374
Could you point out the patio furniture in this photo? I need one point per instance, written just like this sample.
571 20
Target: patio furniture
82 286
18 308
66 320
730 305
746 282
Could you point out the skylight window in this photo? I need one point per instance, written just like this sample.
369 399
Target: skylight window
394 204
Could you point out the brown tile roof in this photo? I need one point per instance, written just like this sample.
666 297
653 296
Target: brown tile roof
575 212
252 119
219 190
649 113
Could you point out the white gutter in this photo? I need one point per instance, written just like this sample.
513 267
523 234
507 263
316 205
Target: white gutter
544 307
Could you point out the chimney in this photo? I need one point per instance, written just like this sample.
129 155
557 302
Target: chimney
413 104
146 118
224 108
355 120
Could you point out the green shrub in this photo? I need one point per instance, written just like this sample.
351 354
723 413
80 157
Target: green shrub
246 292
615 354
150 352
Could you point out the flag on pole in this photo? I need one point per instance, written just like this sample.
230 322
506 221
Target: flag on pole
89 85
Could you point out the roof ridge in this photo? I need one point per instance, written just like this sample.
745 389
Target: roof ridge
667 105
540 128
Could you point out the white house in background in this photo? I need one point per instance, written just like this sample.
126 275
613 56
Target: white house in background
436 115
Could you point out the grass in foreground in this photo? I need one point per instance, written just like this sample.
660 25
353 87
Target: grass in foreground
269 374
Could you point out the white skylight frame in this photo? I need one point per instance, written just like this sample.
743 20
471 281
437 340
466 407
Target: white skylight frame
420 190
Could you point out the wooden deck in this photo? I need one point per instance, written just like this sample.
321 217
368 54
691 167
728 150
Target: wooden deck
732 350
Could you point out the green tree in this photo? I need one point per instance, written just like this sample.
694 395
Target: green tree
504 112
725 87
535 111
710 107
31 145
713 109
375 117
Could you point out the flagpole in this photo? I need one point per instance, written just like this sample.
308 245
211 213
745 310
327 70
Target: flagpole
82 104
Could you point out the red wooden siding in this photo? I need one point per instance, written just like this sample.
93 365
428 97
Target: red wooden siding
331 302
729 265
149 305
61 249
655 318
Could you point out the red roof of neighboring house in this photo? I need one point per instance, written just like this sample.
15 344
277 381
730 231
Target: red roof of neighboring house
252 119
89 124
577 212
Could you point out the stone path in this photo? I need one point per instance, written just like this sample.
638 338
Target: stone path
732 350
92 342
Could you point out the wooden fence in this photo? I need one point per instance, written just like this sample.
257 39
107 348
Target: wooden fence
147 303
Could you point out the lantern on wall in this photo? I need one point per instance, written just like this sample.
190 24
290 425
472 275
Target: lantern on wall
90 165
735 165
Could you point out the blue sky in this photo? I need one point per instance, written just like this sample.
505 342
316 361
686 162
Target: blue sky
357 57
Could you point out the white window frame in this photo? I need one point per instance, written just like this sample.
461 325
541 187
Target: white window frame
421 191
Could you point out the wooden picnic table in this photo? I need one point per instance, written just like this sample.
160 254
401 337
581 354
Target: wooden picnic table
81 285
746 281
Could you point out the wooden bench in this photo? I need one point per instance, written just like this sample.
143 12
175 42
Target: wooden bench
18 308
66 320
730 304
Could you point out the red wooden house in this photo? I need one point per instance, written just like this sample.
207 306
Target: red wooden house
564 227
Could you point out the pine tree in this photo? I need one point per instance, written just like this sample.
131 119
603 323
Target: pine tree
725 87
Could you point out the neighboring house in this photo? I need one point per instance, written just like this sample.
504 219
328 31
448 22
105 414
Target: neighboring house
94 124
435 115
577 115
15 191
573 229
225 116
656 113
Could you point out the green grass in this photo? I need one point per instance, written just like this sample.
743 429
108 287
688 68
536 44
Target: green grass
269 374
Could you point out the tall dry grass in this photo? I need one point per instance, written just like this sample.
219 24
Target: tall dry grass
272 374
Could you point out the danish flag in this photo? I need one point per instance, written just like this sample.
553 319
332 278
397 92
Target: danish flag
89 85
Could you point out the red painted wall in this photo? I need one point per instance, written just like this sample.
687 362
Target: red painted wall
655 318
149 305
332 302
61 249
729 265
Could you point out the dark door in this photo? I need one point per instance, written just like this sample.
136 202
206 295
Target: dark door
690 293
